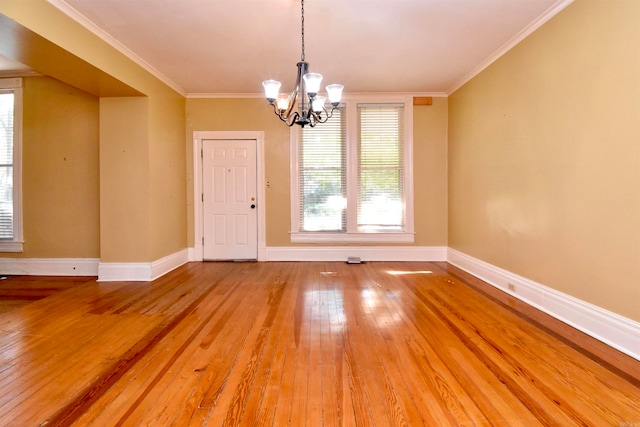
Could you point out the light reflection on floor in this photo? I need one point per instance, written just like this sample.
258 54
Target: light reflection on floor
382 304
326 304
399 273
375 303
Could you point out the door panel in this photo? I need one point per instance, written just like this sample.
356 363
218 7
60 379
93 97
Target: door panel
230 226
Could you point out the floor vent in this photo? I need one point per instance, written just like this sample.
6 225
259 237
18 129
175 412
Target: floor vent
354 260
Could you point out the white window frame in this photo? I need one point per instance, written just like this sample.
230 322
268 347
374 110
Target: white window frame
16 245
352 235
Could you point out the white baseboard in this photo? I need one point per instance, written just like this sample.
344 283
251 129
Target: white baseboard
141 271
195 253
612 329
365 253
49 266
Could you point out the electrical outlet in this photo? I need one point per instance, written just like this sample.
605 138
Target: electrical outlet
511 287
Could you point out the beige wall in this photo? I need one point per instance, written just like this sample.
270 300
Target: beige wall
124 183
430 123
544 157
430 172
150 158
60 170
167 175
143 185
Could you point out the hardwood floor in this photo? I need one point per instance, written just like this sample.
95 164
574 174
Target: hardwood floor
20 291
261 344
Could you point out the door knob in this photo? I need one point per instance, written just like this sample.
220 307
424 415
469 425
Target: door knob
253 206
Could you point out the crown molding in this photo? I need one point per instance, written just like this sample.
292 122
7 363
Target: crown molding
107 38
542 19
224 95
357 95
19 73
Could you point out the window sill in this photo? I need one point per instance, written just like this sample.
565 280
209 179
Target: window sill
11 246
328 237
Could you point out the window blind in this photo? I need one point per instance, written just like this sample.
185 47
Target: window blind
6 165
380 167
322 175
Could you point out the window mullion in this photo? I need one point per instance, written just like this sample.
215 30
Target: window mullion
294 173
352 167
408 168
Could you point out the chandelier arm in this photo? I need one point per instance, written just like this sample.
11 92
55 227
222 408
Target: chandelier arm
319 118
292 102
289 119
303 68
292 119
279 112
328 114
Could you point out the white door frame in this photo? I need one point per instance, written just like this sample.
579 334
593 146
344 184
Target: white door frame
196 253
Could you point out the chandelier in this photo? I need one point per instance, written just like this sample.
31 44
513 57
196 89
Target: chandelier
311 106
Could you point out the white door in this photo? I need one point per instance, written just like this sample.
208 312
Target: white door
230 228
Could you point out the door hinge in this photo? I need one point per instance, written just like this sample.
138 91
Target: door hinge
202 153
202 197
203 241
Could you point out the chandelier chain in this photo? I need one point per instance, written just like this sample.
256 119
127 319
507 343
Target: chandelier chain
302 22
296 109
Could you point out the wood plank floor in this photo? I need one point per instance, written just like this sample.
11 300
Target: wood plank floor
18 292
296 344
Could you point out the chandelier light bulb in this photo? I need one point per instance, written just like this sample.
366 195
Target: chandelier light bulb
283 102
312 82
271 89
317 104
335 93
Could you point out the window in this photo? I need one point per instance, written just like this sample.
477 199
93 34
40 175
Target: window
322 178
10 175
352 180
380 167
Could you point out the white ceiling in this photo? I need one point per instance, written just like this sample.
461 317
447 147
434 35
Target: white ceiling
231 46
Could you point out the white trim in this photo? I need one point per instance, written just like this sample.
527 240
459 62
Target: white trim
365 253
408 169
49 266
11 246
141 271
168 263
328 237
19 73
72 13
356 95
124 272
196 253
10 83
610 328
14 85
226 96
526 32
